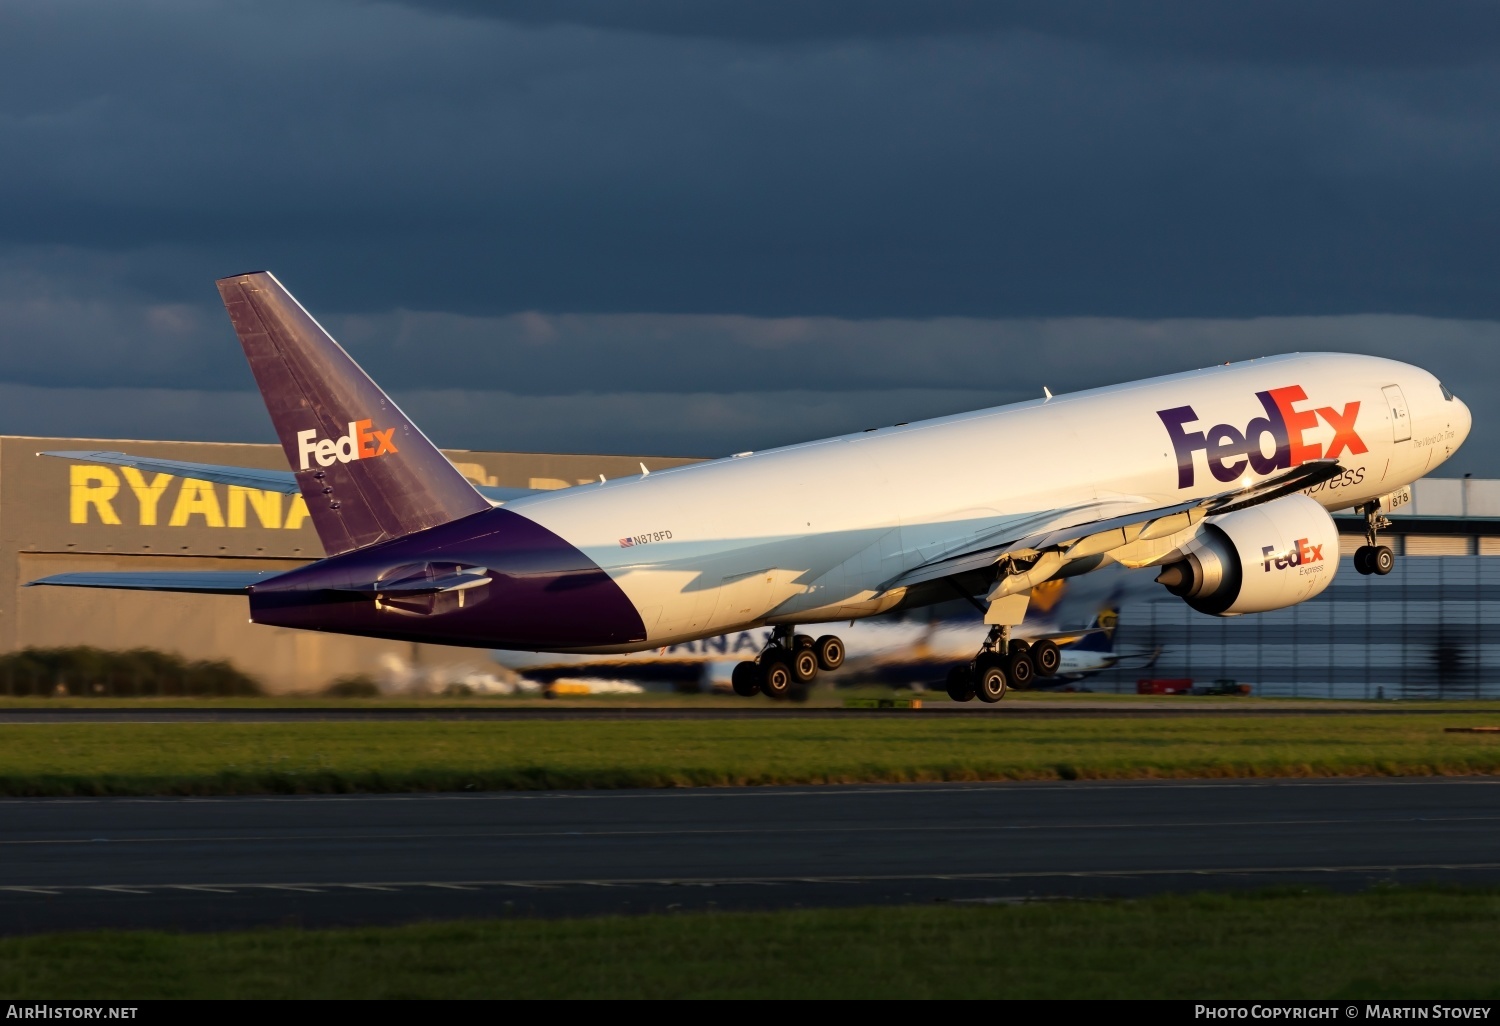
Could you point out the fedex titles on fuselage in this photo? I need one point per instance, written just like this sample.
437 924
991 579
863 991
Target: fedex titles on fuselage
1230 451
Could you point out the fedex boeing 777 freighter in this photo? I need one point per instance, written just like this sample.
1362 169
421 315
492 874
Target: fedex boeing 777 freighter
1223 478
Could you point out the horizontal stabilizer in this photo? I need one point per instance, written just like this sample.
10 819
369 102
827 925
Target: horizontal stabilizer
209 582
499 496
246 477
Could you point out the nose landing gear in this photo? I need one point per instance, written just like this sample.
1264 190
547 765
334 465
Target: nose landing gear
788 666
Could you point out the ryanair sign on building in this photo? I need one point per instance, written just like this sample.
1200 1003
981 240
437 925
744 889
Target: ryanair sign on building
120 495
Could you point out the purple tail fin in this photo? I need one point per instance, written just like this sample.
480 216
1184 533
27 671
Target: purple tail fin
367 474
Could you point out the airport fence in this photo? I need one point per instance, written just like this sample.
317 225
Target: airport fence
1429 630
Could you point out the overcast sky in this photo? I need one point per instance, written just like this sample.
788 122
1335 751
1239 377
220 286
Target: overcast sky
700 226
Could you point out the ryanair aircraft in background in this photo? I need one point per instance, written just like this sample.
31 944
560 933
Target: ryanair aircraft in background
910 648
1221 478
903 652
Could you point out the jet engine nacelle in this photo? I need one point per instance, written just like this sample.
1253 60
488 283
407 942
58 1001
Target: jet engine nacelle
1266 557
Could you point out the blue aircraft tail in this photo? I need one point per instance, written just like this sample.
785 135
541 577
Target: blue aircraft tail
1101 639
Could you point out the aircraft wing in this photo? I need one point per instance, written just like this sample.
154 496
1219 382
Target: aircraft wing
1082 531
1061 637
207 582
247 477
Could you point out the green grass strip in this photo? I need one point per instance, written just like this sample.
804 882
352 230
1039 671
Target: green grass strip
1396 944
332 757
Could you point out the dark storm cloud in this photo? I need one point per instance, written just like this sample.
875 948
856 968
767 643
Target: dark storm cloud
404 156
701 226
1392 34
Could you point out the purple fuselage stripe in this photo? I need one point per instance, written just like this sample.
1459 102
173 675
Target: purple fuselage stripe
543 592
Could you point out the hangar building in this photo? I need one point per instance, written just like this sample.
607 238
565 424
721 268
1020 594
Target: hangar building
59 516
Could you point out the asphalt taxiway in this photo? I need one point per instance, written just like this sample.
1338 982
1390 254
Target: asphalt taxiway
213 863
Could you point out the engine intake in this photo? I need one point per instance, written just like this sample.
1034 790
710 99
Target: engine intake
1258 559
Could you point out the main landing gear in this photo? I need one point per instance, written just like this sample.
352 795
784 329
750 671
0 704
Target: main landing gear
1374 558
1000 665
788 665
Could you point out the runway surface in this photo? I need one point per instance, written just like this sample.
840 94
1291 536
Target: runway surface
236 862
733 709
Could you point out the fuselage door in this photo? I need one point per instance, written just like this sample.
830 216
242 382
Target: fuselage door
1400 418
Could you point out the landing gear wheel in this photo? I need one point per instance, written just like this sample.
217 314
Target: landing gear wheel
960 684
1047 658
776 678
1362 560
1019 669
1019 646
746 680
990 683
1382 560
804 665
801 641
830 652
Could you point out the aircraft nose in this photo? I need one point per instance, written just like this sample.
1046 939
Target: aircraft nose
1463 420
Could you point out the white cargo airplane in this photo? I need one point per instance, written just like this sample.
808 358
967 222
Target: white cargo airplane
1222 477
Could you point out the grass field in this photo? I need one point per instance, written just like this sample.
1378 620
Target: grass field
324 757
1396 944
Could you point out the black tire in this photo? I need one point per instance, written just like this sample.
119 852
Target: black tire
801 641
746 680
805 665
1362 561
1047 658
1019 646
1020 671
960 684
990 683
1383 560
830 652
776 678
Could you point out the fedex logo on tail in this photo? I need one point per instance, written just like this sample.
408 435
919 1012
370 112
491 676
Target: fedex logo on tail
361 443
1302 554
1229 450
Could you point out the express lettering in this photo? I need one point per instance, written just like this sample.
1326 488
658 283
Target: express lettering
1348 479
361 443
1300 554
1230 450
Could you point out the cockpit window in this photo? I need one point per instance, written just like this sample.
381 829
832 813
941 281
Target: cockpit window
1446 394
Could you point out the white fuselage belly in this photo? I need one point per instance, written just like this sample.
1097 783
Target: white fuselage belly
816 532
